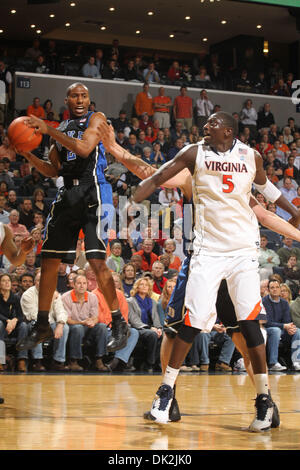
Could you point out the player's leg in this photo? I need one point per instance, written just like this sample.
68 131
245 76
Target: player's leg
61 235
120 329
204 278
165 353
166 348
240 344
105 282
244 289
173 322
160 410
95 250
257 353
47 287
226 314
42 331
200 298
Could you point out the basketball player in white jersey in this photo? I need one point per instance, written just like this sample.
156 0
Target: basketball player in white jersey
183 180
225 247
13 254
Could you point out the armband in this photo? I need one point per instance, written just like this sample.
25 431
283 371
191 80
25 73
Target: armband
268 190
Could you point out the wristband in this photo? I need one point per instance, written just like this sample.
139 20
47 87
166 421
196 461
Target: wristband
268 190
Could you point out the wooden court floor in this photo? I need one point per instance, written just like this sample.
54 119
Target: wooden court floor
104 412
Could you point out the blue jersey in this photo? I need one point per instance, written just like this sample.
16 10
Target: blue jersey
90 171
73 166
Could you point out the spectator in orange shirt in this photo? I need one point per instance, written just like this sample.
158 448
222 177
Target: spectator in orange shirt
283 147
161 106
148 257
183 109
121 356
144 102
169 248
36 109
290 169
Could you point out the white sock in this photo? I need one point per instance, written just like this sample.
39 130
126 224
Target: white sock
170 376
261 383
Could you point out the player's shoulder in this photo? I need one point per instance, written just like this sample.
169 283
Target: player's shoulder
190 150
97 117
203 147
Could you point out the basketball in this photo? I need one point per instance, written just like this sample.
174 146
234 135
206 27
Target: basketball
22 137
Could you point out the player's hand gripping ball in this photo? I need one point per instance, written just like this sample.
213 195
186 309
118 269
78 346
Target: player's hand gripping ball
22 137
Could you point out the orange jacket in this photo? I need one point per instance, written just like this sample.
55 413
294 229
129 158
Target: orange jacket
145 265
38 112
143 104
104 310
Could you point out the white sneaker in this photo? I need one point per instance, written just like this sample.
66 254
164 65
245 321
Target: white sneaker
239 365
277 367
263 414
296 365
161 404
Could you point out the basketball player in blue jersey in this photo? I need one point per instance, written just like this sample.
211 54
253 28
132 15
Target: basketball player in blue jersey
78 156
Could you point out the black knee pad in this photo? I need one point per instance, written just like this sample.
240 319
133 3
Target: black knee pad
187 333
251 332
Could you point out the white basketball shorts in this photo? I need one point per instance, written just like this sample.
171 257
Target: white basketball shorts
205 275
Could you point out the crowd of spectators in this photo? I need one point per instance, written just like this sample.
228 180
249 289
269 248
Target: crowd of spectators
145 261
116 62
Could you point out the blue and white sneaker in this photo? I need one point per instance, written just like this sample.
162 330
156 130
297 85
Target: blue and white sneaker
161 404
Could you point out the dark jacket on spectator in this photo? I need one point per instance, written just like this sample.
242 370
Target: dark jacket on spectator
11 308
278 313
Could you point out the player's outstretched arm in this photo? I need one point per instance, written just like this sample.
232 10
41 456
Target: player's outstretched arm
271 193
82 147
135 164
13 254
273 222
184 159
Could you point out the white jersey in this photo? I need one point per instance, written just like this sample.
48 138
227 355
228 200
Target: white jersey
2 233
225 225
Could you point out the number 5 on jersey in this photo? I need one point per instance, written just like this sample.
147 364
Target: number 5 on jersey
227 182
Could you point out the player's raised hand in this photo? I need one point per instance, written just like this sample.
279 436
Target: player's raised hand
27 244
107 134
